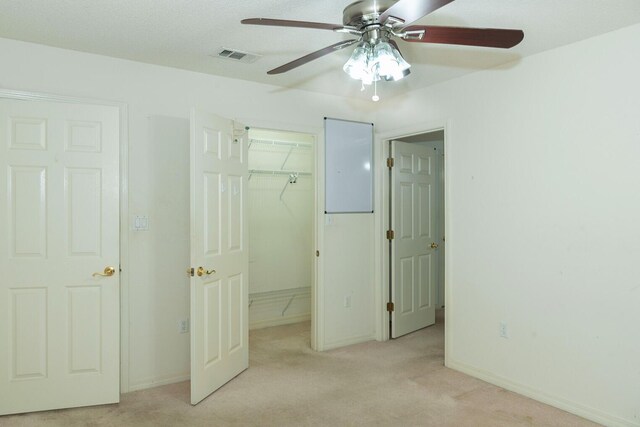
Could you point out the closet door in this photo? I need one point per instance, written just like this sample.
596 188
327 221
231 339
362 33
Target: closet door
59 255
219 254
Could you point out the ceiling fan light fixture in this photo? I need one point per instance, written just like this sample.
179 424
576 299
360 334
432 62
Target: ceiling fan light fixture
401 75
357 67
403 66
387 62
374 61
383 60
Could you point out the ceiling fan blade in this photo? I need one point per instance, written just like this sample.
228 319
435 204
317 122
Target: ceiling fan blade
289 23
310 57
412 10
487 37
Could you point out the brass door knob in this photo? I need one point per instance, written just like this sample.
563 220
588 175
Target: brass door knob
434 245
108 271
201 271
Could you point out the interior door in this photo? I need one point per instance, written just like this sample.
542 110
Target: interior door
219 254
414 219
59 255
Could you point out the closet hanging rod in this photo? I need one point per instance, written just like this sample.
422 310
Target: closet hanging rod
273 172
293 178
281 143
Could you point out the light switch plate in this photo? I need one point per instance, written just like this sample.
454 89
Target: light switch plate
140 223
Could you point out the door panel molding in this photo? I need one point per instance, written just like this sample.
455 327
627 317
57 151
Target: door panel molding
68 279
219 296
411 204
124 206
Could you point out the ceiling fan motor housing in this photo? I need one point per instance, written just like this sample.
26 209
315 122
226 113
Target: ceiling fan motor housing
365 12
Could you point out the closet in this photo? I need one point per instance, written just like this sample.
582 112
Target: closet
281 190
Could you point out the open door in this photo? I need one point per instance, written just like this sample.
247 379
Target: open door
219 255
414 220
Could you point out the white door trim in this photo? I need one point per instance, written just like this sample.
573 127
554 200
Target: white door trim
382 248
124 209
317 290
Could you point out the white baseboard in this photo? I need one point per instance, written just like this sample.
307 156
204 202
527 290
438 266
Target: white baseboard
279 307
539 395
158 382
348 341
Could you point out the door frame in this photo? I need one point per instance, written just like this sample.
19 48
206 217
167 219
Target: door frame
124 208
317 306
382 223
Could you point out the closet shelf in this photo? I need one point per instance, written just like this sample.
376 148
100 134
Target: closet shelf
279 143
276 172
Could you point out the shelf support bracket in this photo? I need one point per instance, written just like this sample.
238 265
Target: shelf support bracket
287 158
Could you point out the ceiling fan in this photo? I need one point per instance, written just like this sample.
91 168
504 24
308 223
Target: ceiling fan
377 56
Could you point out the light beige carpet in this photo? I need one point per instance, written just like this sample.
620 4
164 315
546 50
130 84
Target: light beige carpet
402 382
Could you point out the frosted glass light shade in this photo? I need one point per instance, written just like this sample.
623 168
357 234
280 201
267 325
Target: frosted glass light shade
387 62
358 65
370 63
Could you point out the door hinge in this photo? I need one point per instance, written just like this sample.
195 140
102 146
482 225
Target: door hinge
190 272
390 162
390 234
390 307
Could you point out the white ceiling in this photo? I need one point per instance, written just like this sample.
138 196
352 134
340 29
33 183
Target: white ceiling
184 33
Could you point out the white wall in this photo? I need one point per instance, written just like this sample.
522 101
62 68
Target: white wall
347 261
156 286
349 268
543 206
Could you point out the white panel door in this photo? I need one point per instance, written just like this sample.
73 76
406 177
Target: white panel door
219 254
59 223
414 220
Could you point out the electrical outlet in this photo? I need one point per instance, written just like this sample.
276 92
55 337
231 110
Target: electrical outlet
183 326
504 332
347 301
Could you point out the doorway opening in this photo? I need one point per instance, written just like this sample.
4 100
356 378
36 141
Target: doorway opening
281 209
417 224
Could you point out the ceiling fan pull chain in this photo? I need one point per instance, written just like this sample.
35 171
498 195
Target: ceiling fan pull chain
375 97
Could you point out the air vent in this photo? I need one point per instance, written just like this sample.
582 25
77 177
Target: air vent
236 55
